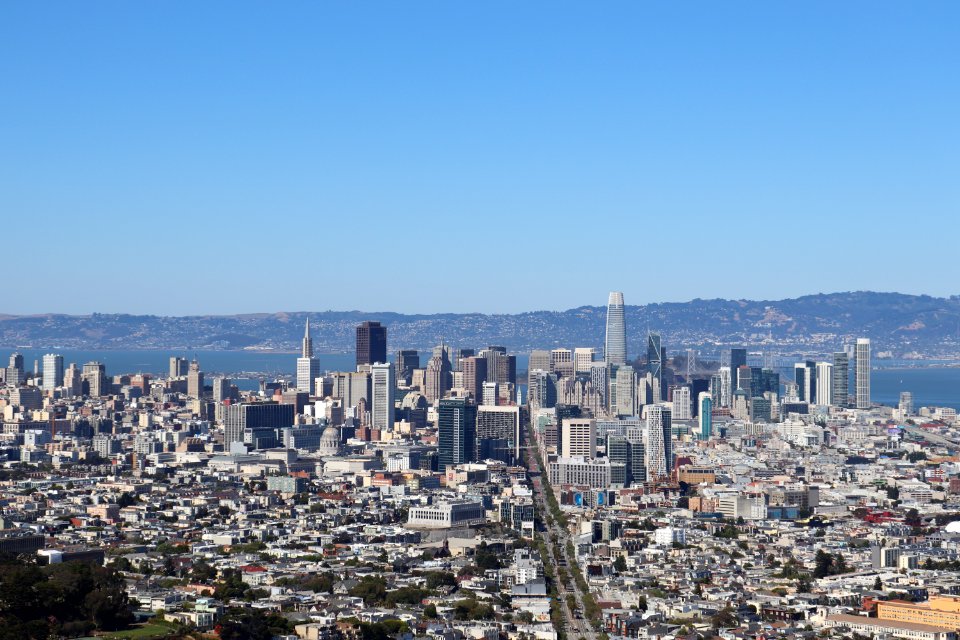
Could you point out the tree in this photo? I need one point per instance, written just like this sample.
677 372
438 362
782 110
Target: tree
878 584
724 619
620 564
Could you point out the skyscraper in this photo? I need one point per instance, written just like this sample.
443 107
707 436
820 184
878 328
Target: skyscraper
583 358
308 367
658 442
863 373
841 379
178 367
382 388
615 344
682 409
655 364
195 380
406 361
579 438
474 371
52 371
371 343
457 432
738 358
502 426
705 402
626 391
95 375
824 382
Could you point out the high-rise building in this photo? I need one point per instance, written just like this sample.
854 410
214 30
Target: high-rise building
824 382
721 389
474 375
841 379
562 362
52 372
501 368
541 389
437 378
178 367
655 364
457 432
195 380
906 404
578 438
221 389
95 377
682 409
308 367
459 355
490 394
371 343
498 432
258 416
615 344
738 358
600 379
72 381
705 403
805 376
583 359
626 391
406 361
540 359
863 373
382 387
658 442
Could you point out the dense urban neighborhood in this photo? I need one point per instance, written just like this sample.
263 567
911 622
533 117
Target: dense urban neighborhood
593 496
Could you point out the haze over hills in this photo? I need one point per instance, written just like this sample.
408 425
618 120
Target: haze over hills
906 325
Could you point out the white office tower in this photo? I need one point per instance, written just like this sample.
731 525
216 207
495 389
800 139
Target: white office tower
382 385
824 382
681 403
626 395
52 371
579 438
583 358
615 346
490 393
308 367
658 446
862 357
723 397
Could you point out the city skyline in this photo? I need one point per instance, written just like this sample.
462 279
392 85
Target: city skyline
757 124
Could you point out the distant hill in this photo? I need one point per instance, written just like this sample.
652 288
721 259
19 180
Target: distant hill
905 325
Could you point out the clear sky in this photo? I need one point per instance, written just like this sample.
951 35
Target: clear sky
205 157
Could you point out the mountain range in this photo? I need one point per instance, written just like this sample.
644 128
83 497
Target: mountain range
899 325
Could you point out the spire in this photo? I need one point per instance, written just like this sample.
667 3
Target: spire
307 349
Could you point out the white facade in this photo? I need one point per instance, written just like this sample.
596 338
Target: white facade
681 403
824 382
579 438
583 358
383 387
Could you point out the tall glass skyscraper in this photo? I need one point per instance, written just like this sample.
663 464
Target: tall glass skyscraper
841 379
655 365
615 345
862 356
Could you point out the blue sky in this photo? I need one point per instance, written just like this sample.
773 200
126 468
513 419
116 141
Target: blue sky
184 157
